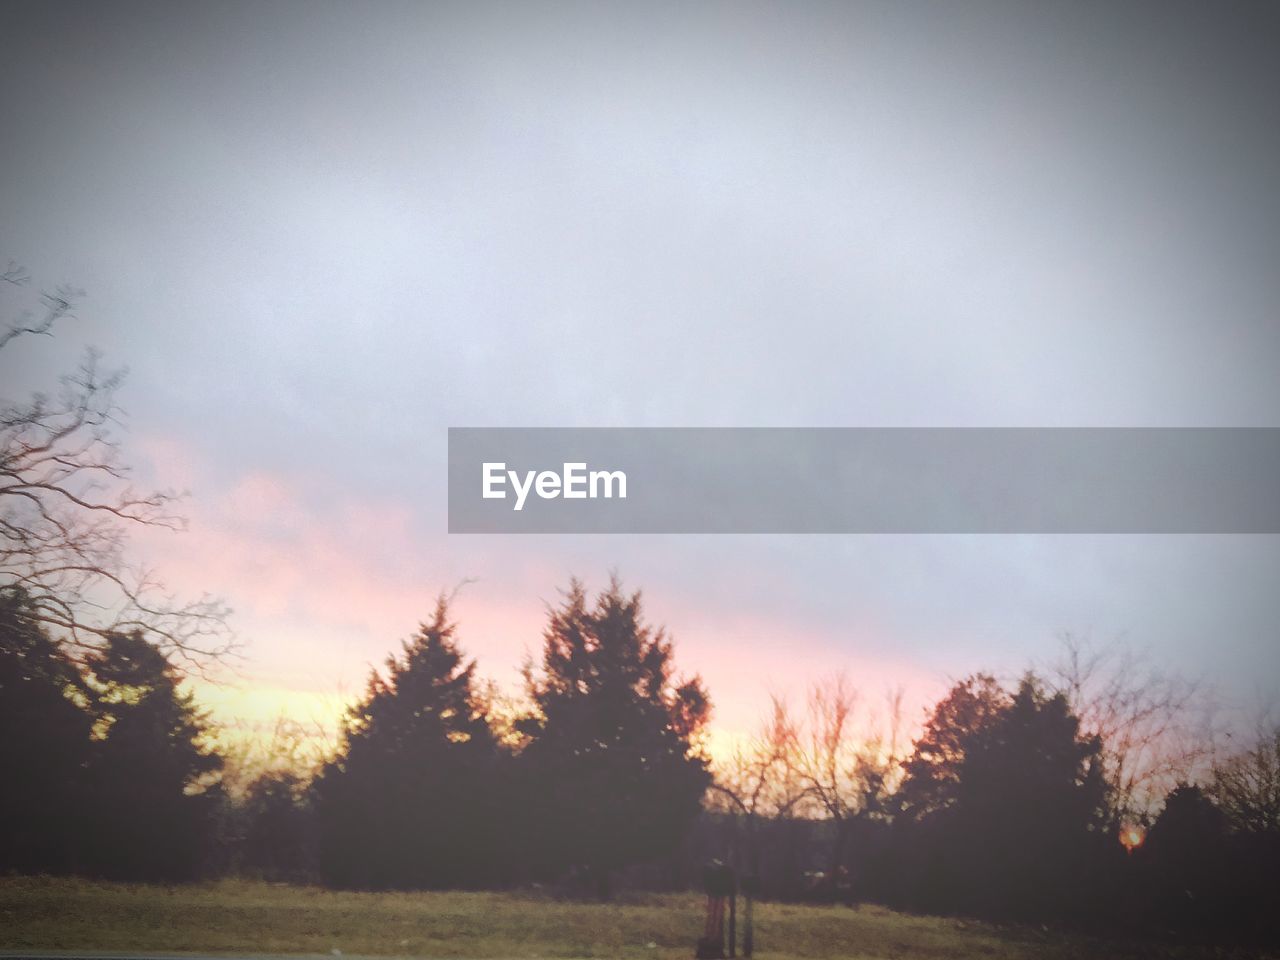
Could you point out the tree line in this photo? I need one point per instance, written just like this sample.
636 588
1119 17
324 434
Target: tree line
1005 805
1010 805
119 777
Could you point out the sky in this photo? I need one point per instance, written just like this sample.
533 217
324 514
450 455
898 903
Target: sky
319 235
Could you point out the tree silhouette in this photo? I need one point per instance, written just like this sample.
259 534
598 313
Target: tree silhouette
66 505
1186 861
413 799
1031 790
277 835
614 771
152 780
1009 804
847 762
1151 722
1246 788
1247 785
44 752
931 775
757 783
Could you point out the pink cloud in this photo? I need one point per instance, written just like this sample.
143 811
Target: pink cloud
322 594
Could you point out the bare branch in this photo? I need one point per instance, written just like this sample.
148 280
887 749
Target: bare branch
1152 724
65 500
57 306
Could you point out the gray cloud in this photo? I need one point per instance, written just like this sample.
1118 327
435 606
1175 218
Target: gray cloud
321 235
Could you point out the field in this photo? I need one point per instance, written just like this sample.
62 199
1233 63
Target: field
237 916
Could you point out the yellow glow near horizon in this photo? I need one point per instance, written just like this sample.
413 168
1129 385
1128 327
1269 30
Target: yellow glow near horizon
250 721
1132 837
248 716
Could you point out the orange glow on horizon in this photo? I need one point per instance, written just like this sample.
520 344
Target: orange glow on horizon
311 646
1131 837
252 720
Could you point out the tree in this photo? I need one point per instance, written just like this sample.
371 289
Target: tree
276 809
612 761
1247 786
1014 803
931 775
66 505
758 784
414 798
266 826
1186 863
759 780
847 764
1152 724
152 779
45 748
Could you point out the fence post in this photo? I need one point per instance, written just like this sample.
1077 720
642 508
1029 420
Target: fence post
718 881
733 920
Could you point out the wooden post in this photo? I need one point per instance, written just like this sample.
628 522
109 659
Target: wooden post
719 883
733 923
748 926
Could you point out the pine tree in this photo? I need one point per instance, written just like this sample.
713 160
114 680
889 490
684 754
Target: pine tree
152 784
413 799
44 749
614 772
1017 803
932 772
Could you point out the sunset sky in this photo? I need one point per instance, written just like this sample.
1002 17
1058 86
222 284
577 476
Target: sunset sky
318 237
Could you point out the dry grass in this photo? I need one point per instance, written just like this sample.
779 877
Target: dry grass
250 917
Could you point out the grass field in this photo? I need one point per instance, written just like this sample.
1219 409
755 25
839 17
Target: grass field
252 917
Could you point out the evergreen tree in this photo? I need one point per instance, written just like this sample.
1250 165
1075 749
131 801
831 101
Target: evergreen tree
152 786
932 772
614 773
44 749
1185 865
277 826
1007 805
414 799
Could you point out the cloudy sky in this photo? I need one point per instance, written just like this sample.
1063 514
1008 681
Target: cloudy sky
320 235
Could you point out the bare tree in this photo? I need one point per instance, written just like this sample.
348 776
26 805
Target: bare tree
1247 786
760 780
846 759
848 756
294 750
1154 726
66 506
